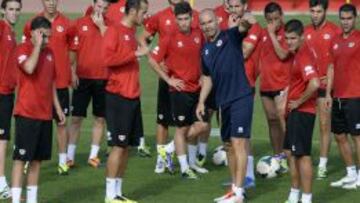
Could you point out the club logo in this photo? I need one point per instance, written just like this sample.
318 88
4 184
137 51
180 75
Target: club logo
76 40
127 37
161 116
219 43
122 137
308 36
22 152
197 40
181 118
9 38
60 28
49 57
327 36
336 46
264 39
156 50
122 9
180 44
357 127
309 70
240 130
351 44
253 37
206 52
293 148
85 28
168 22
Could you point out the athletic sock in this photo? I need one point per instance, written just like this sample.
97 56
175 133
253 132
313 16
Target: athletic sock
31 194
203 148
250 168
323 162
110 188
94 151
183 163
16 194
306 198
118 187
192 149
170 148
71 152
294 195
62 158
351 171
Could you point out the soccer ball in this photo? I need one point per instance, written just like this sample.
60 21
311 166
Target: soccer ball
219 156
267 167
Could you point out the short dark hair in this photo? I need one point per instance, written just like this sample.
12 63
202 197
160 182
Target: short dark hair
40 22
241 1
272 7
4 3
348 8
133 4
322 3
294 25
182 8
109 1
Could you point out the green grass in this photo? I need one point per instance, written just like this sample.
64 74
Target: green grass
87 185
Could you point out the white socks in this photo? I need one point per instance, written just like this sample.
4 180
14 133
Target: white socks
306 198
170 148
294 195
202 148
118 187
31 194
323 162
250 168
239 191
110 188
142 142
62 158
3 182
192 150
71 152
183 163
351 171
16 194
94 151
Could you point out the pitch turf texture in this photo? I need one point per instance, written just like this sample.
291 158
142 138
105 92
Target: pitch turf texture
87 185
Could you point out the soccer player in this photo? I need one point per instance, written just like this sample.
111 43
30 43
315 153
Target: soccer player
120 51
301 113
34 108
115 11
274 78
223 70
222 13
343 77
11 9
163 23
89 77
181 52
319 36
59 43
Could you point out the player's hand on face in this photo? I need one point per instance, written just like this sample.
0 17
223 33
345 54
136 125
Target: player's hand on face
271 27
176 83
294 104
37 38
234 20
249 18
200 111
98 19
142 51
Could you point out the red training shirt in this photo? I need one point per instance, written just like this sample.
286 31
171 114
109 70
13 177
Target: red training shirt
35 92
59 43
302 71
119 54
87 43
8 70
346 54
114 13
274 73
182 55
320 40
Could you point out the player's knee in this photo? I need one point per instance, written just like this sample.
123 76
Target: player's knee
341 139
99 121
76 121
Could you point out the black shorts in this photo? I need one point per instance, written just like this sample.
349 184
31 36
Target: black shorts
6 109
163 104
345 116
88 90
33 139
271 94
183 106
64 100
124 121
299 133
236 118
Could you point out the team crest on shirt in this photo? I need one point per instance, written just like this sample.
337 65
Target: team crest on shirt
76 40
126 37
327 36
9 38
122 9
309 70
168 22
180 44
264 39
49 57
197 40
219 43
336 46
253 37
85 28
308 36
351 44
22 58
60 28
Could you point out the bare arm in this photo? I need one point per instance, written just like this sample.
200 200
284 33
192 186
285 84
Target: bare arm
59 111
279 50
206 86
144 38
248 49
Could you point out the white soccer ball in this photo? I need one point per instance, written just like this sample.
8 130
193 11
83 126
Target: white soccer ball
267 167
219 156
